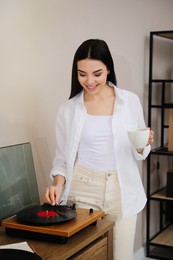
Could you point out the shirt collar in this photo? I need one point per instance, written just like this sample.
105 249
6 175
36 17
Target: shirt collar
118 93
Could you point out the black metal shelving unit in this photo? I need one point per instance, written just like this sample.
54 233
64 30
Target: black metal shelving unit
159 243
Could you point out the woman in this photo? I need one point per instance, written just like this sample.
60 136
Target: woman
95 164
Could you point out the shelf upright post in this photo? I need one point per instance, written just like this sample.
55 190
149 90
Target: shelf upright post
162 114
150 78
149 124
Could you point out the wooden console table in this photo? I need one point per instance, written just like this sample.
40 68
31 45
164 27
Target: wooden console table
93 242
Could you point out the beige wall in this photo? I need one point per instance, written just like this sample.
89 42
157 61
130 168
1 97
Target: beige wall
38 39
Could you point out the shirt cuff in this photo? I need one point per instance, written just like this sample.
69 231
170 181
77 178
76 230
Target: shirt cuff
144 154
54 173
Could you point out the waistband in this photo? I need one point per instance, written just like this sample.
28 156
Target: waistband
106 173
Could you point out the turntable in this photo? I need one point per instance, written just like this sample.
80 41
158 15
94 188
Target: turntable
46 222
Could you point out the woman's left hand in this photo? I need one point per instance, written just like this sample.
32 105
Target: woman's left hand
150 141
151 137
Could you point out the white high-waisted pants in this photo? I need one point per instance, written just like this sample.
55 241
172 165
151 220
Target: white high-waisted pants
100 190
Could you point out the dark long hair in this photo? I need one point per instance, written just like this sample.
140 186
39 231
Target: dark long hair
93 49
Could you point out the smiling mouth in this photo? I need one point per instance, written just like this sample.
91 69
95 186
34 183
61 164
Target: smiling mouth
91 87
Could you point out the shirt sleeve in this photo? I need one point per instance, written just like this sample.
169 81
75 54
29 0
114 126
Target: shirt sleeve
59 163
144 154
141 124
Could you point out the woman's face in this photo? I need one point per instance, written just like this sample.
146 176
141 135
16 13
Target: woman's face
92 75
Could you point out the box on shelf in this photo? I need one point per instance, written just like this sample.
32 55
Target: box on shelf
169 186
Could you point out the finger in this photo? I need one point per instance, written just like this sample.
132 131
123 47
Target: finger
52 195
152 133
57 196
151 138
46 197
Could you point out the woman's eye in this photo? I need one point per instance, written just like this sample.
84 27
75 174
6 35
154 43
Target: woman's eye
82 75
97 74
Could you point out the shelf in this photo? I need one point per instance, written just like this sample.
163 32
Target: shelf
162 81
164 34
162 244
165 238
161 253
160 102
166 105
162 151
160 195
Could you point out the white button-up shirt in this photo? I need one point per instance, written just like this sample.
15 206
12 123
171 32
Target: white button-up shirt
127 114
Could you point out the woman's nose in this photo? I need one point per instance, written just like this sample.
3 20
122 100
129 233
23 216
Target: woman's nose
90 80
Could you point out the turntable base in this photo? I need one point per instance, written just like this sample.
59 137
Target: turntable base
59 231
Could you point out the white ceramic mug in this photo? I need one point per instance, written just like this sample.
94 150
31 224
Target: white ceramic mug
139 137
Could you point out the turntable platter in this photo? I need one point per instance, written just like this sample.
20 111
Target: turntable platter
46 214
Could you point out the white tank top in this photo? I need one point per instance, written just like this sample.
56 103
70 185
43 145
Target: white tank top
96 148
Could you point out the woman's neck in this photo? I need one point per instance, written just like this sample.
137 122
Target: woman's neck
104 94
101 105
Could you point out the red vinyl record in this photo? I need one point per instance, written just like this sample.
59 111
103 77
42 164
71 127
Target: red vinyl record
46 214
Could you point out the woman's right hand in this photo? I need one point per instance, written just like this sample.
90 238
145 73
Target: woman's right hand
52 195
